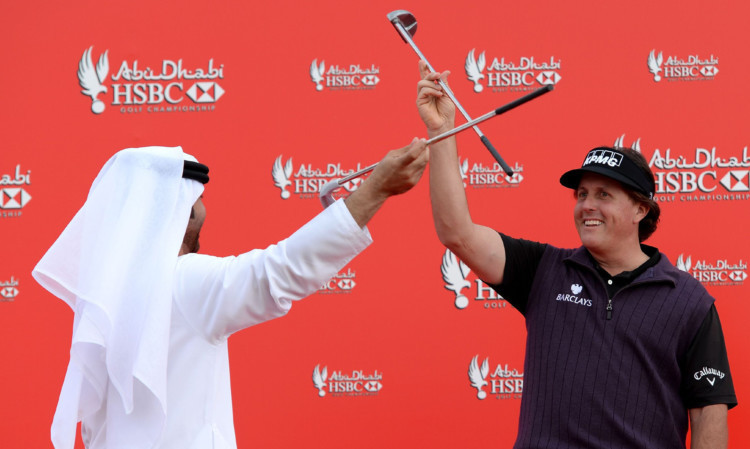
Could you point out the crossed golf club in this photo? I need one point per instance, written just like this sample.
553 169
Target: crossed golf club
406 25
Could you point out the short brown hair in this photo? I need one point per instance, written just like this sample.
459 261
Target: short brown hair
648 225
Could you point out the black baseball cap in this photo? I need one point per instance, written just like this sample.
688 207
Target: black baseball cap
612 163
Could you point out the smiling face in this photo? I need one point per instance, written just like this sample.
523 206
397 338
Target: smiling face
605 215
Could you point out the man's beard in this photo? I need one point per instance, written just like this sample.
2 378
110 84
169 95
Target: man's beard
191 242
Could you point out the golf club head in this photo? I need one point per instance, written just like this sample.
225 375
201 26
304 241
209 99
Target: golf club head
405 19
326 193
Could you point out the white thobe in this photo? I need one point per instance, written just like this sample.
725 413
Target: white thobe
214 297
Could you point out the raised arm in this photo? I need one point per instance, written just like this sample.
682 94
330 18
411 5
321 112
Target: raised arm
479 247
396 173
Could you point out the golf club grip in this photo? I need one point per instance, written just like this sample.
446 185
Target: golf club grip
526 98
506 168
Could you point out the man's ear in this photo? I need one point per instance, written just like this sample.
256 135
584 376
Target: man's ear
642 212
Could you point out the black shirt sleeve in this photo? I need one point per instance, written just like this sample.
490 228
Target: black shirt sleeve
706 379
521 261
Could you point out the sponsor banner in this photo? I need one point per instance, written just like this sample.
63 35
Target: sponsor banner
503 382
13 192
345 77
349 384
479 176
685 68
132 87
306 182
717 273
8 290
524 74
343 282
456 277
700 174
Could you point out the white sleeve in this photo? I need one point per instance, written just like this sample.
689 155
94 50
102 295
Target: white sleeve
221 295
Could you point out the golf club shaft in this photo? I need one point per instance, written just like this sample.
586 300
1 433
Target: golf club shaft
407 38
502 109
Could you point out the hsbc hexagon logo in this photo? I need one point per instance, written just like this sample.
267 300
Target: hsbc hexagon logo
13 198
8 290
205 92
736 181
548 77
13 195
343 282
370 80
373 386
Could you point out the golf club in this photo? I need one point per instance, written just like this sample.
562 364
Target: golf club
406 25
326 193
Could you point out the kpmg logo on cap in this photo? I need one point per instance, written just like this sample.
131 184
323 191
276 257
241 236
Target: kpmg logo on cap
308 181
455 275
8 290
480 176
603 157
13 196
352 77
526 74
355 384
504 383
135 90
692 68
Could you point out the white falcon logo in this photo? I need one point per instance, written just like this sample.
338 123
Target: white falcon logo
684 264
454 274
635 145
463 169
654 64
478 375
316 73
319 379
281 176
474 69
91 79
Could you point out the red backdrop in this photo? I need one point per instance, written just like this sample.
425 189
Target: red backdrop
231 83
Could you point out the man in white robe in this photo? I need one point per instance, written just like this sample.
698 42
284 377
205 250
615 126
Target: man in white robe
149 365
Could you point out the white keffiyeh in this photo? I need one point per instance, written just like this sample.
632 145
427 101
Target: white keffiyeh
114 265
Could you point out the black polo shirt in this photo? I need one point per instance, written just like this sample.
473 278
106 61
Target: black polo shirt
705 360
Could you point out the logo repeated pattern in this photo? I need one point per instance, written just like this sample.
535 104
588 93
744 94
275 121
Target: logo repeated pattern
352 77
501 76
15 197
137 90
455 275
355 384
692 68
504 383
